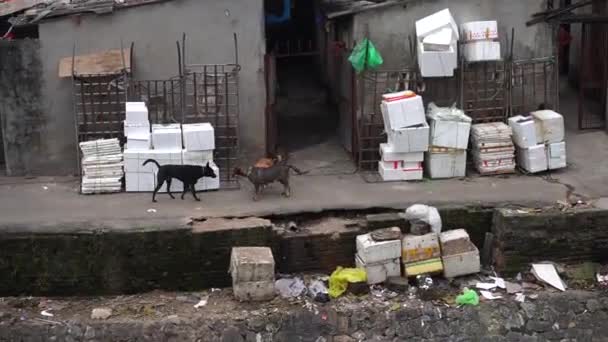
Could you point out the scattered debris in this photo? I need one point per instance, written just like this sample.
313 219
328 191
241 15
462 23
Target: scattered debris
398 284
500 282
45 187
468 297
513 288
151 210
201 303
46 313
386 234
520 297
318 291
290 287
489 295
424 281
292 226
101 313
548 273
486 286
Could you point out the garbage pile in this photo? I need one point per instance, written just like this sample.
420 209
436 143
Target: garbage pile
102 166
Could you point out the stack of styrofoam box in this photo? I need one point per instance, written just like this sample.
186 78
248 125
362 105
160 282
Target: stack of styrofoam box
199 143
137 126
459 255
421 254
531 156
408 137
380 259
102 166
493 149
437 38
550 131
252 271
447 155
480 39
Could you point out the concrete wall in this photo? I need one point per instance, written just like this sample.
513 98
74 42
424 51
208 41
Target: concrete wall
389 28
209 25
22 118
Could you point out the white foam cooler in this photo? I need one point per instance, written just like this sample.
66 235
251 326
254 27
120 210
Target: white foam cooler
167 137
450 134
371 251
136 112
435 23
420 247
549 126
140 181
411 139
446 164
140 141
379 272
399 111
483 50
479 30
556 155
388 154
524 131
136 129
437 63
406 172
533 159
198 137
196 157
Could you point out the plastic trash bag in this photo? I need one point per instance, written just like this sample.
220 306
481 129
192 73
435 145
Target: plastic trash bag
290 287
468 297
364 56
446 113
318 291
420 214
338 281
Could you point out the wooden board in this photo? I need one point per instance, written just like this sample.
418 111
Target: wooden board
12 6
108 62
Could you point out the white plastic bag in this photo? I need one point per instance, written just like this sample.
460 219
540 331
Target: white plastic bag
418 213
447 113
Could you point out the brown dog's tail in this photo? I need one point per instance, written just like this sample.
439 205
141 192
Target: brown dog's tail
298 171
151 161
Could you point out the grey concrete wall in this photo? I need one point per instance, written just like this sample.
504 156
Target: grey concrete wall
389 28
22 118
209 25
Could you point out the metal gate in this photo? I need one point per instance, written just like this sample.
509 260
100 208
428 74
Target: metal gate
533 82
593 76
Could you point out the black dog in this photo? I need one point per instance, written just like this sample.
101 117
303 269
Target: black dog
188 174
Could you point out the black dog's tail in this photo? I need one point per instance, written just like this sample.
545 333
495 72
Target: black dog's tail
151 161
298 171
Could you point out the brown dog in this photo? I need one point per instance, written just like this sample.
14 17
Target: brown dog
260 177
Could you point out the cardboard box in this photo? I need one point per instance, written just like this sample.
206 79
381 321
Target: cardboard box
379 272
437 63
450 134
412 139
167 137
479 30
199 137
524 131
532 159
441 40
136 129
372 251
255 291
549 126
390 174
388 154
402 113
431 266
436 22
482 50
556 155
420 247
460 264
446 165
136 112
251 264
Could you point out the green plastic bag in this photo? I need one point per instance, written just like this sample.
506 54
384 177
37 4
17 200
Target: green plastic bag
338 281
468 297
364 56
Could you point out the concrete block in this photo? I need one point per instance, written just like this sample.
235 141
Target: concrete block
255 291
251 264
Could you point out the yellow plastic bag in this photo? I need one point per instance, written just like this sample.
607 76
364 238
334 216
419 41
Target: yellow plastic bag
338 281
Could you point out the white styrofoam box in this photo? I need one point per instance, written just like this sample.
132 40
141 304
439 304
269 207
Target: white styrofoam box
556 155
390 174
450 134
401 165
446 165
131 160
196 157
482 50
198 137
532 159
411 139
549 126
254 291
163 157
138 141
454 241
420 247
524 131
388 154
438 41
379 272
461 264
479 30
136 112
208 183
167 137
436 22
403 113
140 181
372 251
136 129
437 63
249 264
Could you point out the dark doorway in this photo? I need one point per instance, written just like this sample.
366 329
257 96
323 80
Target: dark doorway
305 119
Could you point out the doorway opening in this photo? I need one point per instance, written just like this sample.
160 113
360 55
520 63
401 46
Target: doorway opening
304 119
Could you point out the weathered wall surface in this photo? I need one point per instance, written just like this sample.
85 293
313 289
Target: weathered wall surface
154 29
389 28
23 119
